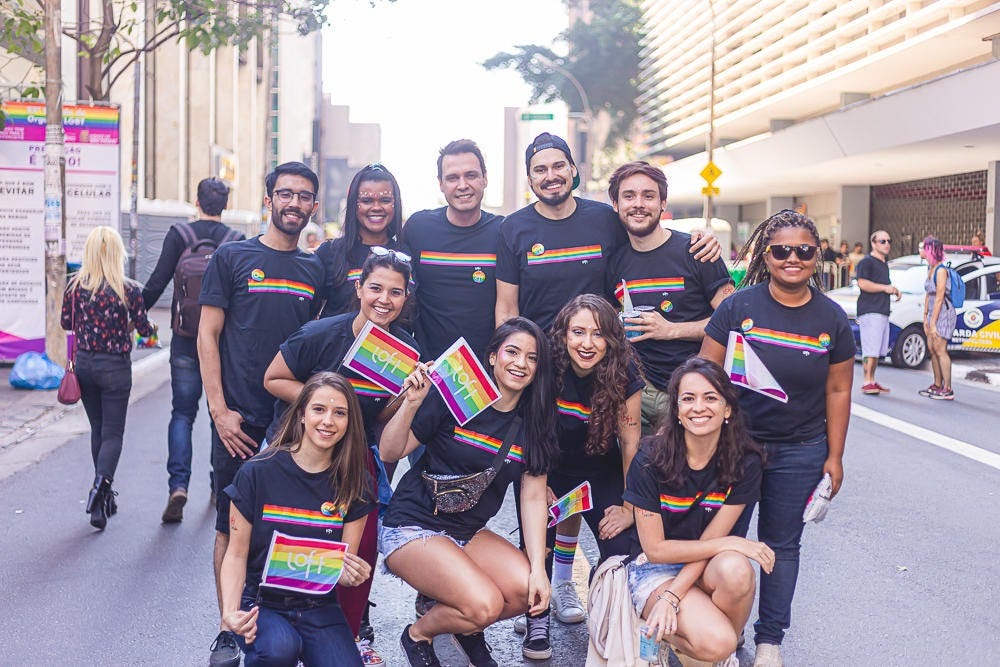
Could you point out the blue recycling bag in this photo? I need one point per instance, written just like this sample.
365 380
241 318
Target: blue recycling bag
34 370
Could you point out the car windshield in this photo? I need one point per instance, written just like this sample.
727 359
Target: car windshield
909 280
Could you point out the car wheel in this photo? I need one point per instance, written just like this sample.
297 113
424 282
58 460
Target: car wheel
910 350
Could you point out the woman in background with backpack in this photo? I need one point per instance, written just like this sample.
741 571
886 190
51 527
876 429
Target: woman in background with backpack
939 319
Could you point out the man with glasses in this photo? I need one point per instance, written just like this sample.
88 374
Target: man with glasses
255 293
873 308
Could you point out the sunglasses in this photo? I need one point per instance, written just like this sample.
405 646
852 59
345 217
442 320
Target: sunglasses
306 198
804 252
396 255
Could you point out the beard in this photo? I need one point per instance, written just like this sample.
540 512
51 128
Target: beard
641 230
291 228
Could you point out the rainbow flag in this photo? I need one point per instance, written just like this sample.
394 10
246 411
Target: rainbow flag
302 564
463 383
576 501
381 357
747 370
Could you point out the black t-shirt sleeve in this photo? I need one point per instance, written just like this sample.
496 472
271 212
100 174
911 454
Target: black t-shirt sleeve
864 270
641 487
747 490
635 380
243 490
431 417
300 351
718 326
508 267
217 283
713 275
844 346
360 508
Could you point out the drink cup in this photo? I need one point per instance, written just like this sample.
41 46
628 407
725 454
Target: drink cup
637 311
649 648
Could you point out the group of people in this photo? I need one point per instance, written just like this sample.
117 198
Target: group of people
304 447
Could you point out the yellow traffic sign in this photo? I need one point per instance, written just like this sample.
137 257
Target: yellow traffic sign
710 173
709 191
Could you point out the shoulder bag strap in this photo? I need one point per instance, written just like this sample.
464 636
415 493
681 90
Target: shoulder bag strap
72 325
186 233
508 442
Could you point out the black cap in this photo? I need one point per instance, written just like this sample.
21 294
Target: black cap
546 140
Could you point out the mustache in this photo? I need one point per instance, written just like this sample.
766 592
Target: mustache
553 181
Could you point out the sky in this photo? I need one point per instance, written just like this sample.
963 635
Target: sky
412 66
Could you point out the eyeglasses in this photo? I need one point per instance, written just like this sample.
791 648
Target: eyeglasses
804 252
306 198
396 255
883 241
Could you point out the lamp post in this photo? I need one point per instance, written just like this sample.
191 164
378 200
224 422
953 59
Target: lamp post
710 139
545 61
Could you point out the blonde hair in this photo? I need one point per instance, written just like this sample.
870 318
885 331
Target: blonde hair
103 262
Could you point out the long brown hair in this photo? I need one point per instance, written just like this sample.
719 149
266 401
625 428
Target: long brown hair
349 475
607 404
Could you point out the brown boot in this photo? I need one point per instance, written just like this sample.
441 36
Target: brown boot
174 511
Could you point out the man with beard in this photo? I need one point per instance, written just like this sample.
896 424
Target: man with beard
255 293
679 294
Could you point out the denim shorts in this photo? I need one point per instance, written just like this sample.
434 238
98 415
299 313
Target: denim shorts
391 538
646 577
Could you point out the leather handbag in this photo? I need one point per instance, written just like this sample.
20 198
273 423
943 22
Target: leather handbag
69 387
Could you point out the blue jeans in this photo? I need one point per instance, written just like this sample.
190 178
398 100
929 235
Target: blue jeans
318 636
185 386
791 472
105 384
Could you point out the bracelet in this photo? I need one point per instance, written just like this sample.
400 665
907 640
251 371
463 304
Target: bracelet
676 597
669 602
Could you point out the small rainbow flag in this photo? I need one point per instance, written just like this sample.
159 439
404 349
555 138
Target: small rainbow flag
381 357
747 370
463 383
576 501
302 564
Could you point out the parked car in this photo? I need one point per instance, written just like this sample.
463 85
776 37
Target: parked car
978 326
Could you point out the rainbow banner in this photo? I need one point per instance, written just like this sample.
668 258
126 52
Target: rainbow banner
463 383
303 564
576 501
382 358
747 370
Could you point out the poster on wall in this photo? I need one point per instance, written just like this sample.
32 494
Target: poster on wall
92 185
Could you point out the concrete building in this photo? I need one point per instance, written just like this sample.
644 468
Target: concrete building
864 113
345 147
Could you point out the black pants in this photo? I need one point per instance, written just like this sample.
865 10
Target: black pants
105 385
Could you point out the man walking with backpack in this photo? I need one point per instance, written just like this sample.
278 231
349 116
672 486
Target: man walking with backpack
187 248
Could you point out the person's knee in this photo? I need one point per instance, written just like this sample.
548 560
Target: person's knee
735 574
281 651
714 642
484 609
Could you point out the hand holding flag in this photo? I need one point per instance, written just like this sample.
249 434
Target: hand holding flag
465 386
576 501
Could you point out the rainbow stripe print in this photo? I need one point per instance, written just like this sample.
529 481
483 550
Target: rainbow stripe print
782 339
462 382
379 356
82 123
354 275
570 409
303 565
280 286
577 500
487 444
564 552
300 517
679 504
581 253
648 285
367 388
457 259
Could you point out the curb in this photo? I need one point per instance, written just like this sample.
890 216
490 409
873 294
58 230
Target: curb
977 376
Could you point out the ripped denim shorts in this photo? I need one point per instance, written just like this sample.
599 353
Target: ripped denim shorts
391 538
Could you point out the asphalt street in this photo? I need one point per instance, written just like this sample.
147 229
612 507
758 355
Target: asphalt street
902 572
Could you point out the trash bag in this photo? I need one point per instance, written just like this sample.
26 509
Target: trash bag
34 370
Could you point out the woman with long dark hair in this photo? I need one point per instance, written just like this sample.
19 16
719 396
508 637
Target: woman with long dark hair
689 483
373 217
781 320
940 317
101 307
311 482
446 552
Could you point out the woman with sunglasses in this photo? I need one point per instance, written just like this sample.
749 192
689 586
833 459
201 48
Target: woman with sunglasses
445 551
373 217
321 345
803 339
939 320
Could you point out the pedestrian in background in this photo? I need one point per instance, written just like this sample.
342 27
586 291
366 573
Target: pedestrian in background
857 254
805 342
939 320
102 307
873 309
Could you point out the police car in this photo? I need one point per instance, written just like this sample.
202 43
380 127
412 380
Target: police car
978 325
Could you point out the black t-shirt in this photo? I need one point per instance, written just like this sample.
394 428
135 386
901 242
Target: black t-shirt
320 346
644 489
455 450
678 286
455 271
343 268
876 271
797 345
267 294
573 424
552 261
274 494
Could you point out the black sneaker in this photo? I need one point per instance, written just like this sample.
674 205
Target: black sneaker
418 654
422 604
366 632
225 651
536 644
476 650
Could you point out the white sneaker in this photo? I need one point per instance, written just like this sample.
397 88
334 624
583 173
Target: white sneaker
768 655
566 603
521 624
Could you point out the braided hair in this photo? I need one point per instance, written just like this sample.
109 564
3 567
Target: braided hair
760 239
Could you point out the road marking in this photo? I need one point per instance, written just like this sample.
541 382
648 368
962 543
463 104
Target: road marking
931 437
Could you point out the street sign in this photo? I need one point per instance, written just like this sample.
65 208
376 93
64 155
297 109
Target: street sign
710 173
537 116
709 191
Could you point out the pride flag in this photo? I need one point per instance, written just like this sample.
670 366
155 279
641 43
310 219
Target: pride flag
747 370
303 564
381 357
463 383
576 501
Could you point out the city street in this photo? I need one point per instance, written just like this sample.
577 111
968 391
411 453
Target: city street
902 572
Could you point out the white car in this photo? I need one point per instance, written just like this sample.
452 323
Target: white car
978 326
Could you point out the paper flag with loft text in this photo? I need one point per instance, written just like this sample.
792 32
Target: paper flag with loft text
746 369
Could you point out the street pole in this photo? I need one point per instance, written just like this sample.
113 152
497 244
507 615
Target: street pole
133 216
587 115
710 140
55 166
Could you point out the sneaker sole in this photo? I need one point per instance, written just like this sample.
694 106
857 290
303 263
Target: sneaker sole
174 513
454 640
942 398
870 392
570 620
536 655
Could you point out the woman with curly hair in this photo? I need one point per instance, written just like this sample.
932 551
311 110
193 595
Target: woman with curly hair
598 427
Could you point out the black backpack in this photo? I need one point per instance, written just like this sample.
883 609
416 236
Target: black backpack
188 273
